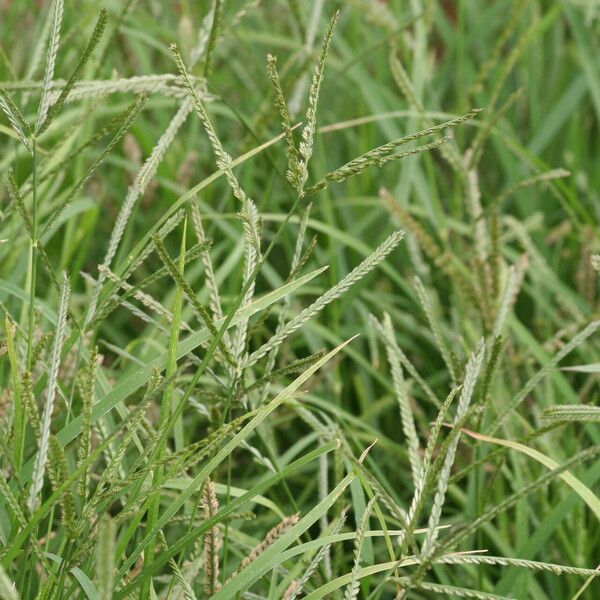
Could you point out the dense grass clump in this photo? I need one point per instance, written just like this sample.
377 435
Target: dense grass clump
299 300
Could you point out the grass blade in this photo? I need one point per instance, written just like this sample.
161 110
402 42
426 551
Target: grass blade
575 484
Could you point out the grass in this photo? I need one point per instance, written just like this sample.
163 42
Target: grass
299 300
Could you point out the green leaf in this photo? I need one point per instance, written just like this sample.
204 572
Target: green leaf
591 368
580 488
271 557
195 485
7 587
234 504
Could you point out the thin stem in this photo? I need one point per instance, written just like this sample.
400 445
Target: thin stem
165 412
32 256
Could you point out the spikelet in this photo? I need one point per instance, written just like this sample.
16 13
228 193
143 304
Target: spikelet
509 63
224 161
483 290
59 472
105 558
212 38
37 54
166 84
85 548
510 290
272 535
491 367
373 158
181 579
40 347
302 258
435 327
402 80
353 587
167 227
386 331
293 157
135 418
143 316
471 374
29 404
87 400
143 178
77 73
383 154
209 275
202 42
186 588
305 148
480 233
442 591
15 118
208 27
292 590
572 412
425 240
18 203
248 6
382 495
54 167
250 219
37 479
323 487
473 559
417 500
332 294
296 366
495 260
13 502
57 14
212 539
380 14
313 422
443 260
196 453
308 51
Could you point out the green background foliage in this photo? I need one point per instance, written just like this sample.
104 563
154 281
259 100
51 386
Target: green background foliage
225 276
